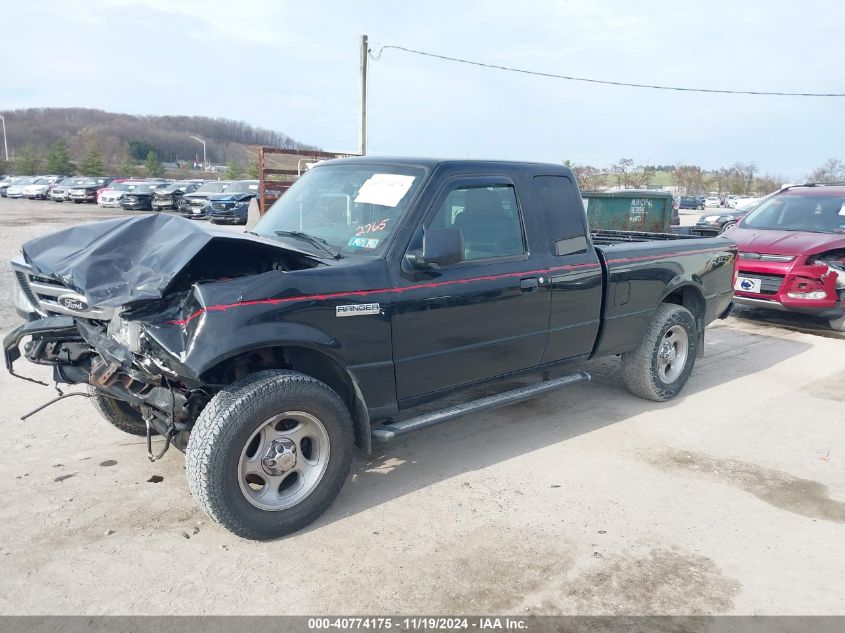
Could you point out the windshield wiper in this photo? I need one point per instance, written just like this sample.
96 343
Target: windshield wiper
319 242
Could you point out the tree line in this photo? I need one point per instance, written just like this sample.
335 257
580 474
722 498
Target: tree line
88 141
738 178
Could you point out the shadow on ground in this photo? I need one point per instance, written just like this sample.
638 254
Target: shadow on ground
796 322
484 439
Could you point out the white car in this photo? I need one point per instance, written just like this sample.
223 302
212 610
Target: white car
7 182
712 201
40 188
60 192
110 197
16 190
745 203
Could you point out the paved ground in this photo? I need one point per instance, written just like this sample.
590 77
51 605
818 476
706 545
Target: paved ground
730 499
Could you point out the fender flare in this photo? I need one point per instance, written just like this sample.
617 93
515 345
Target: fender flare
297 337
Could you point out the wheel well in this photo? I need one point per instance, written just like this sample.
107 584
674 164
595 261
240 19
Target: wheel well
691 298
306 361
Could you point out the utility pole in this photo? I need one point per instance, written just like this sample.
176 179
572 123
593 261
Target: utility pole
362 130
5 145
204 161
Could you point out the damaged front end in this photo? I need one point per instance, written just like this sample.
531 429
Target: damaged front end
835 262
81 351
100 301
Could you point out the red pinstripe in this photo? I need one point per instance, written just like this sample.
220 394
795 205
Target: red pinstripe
435 284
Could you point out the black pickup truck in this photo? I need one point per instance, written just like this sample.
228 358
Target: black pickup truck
372 286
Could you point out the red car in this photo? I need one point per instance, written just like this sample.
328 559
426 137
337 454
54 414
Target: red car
792 253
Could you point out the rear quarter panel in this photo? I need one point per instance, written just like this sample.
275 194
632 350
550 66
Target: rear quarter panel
642 275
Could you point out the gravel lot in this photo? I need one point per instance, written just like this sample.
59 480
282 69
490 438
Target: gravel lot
730 499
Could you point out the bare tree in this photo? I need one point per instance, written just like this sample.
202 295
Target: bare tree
764 185
589 178
621 171
690 178
640 177
832 170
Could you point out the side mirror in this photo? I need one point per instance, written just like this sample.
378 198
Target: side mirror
441 247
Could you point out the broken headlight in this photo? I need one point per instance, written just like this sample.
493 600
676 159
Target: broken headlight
22 302
127 333
835 262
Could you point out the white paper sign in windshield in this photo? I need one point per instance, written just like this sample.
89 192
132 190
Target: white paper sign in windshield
384 189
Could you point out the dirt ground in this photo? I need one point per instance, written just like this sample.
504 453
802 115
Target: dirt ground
730 499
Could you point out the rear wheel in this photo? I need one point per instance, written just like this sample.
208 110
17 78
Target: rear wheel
659 368
118 413
270 453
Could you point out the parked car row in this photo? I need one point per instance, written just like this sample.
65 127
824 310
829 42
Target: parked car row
229 206
221 201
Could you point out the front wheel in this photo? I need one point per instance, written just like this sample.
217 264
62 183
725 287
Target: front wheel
118 413
270 453
659 368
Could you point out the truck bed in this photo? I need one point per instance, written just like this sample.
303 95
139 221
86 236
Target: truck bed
639 269
607 237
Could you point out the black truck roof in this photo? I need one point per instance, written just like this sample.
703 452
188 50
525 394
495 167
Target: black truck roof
461 163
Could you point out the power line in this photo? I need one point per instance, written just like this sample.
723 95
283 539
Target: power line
377 56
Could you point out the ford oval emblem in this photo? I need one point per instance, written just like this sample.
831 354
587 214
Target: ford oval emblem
73 302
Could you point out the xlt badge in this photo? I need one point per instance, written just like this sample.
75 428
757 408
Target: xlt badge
357 309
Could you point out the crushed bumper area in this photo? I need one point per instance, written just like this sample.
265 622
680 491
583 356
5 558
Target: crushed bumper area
83 353
42 331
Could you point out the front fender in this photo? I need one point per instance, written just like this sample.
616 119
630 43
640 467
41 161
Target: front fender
212 344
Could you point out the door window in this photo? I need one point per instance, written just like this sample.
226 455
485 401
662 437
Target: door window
488 217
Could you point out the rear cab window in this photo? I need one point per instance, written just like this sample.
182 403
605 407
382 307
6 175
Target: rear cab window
563 214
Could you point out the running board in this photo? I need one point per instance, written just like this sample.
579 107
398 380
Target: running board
391 431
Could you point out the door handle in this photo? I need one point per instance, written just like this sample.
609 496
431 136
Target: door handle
529 284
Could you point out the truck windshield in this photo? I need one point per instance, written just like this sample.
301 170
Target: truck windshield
800 211
350 208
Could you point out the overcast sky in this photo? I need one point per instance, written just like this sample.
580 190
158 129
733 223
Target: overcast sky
293 67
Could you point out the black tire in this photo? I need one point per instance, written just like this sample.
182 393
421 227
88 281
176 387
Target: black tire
118 413
227 423
640 368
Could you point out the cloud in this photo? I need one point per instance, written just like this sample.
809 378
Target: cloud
293 66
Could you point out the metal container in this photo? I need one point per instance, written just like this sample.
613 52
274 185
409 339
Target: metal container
629 210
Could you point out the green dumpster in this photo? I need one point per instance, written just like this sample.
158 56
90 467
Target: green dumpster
629 210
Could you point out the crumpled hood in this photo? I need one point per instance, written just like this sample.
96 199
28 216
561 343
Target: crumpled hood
127 260
202 194
230 197
785 242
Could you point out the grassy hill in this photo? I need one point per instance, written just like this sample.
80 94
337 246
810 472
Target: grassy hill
125 139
